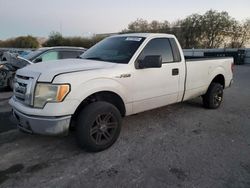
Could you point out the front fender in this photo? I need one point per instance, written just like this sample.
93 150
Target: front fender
82 91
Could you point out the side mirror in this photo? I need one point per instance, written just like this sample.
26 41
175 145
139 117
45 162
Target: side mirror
152 61
39 59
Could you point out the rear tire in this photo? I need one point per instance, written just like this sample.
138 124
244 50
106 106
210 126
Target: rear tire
214 96
98 126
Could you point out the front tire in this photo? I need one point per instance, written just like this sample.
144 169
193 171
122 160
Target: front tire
98 126
214 96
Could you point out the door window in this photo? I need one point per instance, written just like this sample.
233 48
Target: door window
176 51
159 46
68 54
49 56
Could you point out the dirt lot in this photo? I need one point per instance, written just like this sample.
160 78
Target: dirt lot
5 114
182 145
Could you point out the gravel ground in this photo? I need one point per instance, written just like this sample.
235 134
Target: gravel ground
182 145
5 111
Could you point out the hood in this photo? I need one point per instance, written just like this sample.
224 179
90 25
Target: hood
47 70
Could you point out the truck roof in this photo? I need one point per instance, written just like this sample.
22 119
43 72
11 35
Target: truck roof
62 47
146 35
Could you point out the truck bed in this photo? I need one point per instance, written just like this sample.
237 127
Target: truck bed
198 58
199 69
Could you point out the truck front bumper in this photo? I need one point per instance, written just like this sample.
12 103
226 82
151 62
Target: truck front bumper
42 125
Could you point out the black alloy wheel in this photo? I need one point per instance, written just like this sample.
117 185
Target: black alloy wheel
103 129
214 96
98 126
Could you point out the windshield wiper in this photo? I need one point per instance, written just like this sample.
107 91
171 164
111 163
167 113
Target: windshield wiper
94 58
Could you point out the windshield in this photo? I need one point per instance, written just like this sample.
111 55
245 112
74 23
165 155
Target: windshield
24 53
32 55
115 49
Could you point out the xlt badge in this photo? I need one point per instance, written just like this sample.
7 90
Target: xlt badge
124 76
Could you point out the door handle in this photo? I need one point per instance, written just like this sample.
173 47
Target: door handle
175 72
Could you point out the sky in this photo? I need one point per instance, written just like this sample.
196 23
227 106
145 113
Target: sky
85 17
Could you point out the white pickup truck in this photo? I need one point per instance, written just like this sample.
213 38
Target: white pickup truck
119 76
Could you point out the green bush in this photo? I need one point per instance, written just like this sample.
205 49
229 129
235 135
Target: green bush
56 39
20 42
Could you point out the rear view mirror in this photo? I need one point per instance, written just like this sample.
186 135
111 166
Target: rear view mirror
152 61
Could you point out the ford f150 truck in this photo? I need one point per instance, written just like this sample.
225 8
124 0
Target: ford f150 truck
119 76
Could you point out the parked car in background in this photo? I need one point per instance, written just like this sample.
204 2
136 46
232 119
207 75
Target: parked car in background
25 53
2 50
8 53
13 62
54 53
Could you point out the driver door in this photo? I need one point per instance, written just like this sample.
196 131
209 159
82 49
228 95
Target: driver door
156 87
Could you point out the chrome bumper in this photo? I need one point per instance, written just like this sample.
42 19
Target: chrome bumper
42 125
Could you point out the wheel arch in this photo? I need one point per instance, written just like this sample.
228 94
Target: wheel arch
106 96
220 78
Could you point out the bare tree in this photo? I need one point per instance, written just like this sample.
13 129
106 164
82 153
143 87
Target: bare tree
245 35
210 30
214 24
191 31
139 25
239 34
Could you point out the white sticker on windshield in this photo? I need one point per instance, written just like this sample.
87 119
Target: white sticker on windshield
137 39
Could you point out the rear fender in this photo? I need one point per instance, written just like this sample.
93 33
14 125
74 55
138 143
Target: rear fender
218 71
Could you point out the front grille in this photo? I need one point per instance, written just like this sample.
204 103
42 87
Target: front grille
23 89
22 77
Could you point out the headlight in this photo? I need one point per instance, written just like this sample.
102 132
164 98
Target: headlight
45 93
1 66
